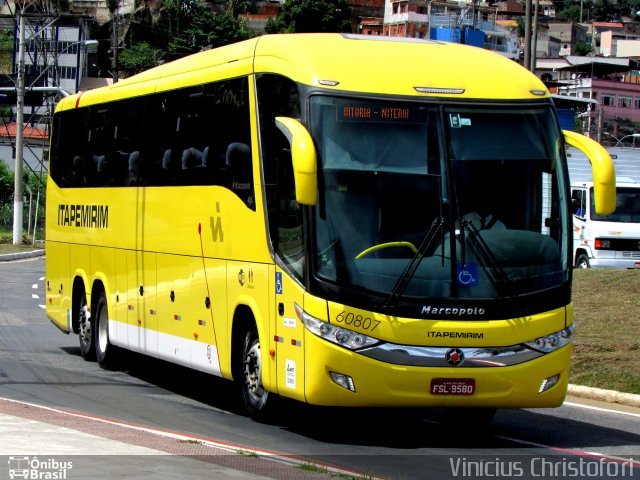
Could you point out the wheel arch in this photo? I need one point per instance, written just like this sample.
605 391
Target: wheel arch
243 320
581 250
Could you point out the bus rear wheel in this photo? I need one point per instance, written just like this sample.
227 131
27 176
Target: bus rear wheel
85 330
105 352
257 400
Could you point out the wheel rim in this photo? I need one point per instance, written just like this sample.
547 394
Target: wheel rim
103 330
252 369
85 325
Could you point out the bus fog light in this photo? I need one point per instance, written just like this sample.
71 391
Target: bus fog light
343 380
547 383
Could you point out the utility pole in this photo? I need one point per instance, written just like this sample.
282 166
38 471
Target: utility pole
527 35
17 186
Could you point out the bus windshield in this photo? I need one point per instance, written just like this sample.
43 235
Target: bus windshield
420 200
627 206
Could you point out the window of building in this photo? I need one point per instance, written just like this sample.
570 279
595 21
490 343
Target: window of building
608 100
625 102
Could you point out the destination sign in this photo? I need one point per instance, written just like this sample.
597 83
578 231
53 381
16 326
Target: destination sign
380 112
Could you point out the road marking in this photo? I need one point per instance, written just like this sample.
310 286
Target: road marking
600 409
35 296
34 286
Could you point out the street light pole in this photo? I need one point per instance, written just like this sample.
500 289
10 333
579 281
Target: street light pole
17 185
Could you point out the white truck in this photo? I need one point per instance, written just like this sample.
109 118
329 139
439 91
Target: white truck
610 241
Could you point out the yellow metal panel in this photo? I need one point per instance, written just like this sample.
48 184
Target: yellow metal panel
216 284
178 219
289 339
58 285
118 309
247 284
395 67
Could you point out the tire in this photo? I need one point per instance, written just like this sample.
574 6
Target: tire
257 400
85 330
106 353
582 261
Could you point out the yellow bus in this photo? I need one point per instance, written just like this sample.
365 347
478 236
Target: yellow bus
305 215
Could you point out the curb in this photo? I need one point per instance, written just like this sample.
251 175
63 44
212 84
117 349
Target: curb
20 255
610 396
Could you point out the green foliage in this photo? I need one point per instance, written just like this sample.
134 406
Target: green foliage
599 10
237 7
6 51
305 16
6 184
580 48
138 57
208 30
572 12
180 12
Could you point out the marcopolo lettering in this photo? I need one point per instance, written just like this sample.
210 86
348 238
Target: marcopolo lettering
452 311
88 216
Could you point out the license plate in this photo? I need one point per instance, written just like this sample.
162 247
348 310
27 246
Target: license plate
453 386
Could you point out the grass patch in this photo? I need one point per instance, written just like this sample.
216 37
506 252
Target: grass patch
6 243
606 351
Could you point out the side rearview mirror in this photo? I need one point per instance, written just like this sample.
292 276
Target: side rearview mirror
304 158
604 175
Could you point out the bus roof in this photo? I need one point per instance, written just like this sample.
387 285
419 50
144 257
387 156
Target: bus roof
343 62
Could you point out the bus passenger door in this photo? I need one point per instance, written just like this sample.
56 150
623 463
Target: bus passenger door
289 336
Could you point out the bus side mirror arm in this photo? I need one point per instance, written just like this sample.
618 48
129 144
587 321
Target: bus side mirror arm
305 162
604 175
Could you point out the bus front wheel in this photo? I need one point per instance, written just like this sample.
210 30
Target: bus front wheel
257 399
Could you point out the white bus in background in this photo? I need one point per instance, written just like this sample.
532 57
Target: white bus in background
606 241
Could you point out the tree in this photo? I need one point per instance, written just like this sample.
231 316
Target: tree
312 16
208 30
572 12
581 48
179 10
6 184
139 57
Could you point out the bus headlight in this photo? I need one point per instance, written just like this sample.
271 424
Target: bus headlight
340 336
553 341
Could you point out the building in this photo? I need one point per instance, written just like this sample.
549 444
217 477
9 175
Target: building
462 22
606 81
569 33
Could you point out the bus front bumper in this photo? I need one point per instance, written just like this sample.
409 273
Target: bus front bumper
378 384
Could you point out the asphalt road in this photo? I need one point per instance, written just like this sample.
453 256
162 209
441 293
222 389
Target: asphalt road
41 365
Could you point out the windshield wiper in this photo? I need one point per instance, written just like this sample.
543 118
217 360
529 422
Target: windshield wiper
409 272
497 275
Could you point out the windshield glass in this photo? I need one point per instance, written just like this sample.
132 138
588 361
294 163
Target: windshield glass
422 201
627 206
